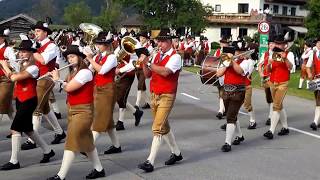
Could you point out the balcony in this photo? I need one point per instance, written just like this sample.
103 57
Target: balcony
252 19
293 2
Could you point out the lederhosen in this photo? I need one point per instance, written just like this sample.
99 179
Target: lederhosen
6 89
279 78
234 93
44 86
123 85
80 118
316 65
266 79
163 93
141 77
188 52
104 98
26 102
248 95
303 73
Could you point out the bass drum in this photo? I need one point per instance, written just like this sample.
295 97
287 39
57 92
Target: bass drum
208 69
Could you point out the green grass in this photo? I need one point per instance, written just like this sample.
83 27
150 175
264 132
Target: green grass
293 83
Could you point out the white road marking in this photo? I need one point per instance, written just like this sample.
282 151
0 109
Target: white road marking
304 132
188 95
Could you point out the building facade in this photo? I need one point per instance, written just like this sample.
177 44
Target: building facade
238 18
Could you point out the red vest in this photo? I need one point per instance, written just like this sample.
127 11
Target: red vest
182 46
43 69
189 49
279 72
103 79
164 85
217 53
25 89
2 58
316 62
265 64
206 46
232 77
83 95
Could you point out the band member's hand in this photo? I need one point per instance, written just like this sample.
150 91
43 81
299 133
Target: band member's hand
117 71
55 75
88 52
144 59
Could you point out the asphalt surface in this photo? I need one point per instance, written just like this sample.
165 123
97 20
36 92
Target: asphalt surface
193 121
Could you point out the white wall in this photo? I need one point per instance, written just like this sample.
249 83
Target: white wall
231 6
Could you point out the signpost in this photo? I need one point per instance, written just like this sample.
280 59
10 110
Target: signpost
263 29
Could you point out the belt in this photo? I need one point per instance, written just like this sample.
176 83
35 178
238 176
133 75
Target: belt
233 88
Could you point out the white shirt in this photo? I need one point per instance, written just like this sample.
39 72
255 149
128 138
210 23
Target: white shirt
83 76
50 52
310 60
250 67
174 63
110 63
262 57
189 44
33 70
306 54
11 56
290 57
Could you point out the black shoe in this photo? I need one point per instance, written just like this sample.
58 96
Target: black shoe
137 115
120 126
94 174
313 126
28 145
252 125
226 147
58 115
146 106
224 126
283 132
46 157
268 122
146 166
10 166
238 140
113 150
219 115
9 136
173 159
58 138
84 153
56 177
268 135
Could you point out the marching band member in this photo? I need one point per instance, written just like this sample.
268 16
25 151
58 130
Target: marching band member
279 69
164 73
26 102
123 86
313 64
46 60
79 88
234 72
305 56
265 76
141 94
104 65
6 86
189 46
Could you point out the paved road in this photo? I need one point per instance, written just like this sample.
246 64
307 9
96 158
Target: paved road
294 157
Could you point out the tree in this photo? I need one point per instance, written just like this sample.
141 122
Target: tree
312 21
77 13
43 9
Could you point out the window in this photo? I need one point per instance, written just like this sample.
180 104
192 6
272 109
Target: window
284 10
225 32
217 8
243 8
293 11
275 9
266 6
243 32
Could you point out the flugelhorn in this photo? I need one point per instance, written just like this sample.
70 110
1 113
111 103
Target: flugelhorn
225 58
60 69
128 46
91 31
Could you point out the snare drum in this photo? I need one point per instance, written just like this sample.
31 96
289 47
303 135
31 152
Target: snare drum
314 85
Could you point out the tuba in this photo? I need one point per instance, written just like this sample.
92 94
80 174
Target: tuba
127 45
90 31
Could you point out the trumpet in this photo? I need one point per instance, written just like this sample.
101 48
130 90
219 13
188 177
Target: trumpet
60 69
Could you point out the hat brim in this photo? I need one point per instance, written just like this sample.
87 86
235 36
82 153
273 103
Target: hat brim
66 53
99 41
42 28
165 37
25 49
280 42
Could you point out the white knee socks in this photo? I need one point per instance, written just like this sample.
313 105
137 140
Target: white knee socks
274 121
15 147
114 138
229 132
94 158
36 122
252 116
156 142
131 108
95 135
170 140
139 97
283 118
221 105
38 140
55 107
316 115
238 129
300 82
270 110
53 121
68 157
122 113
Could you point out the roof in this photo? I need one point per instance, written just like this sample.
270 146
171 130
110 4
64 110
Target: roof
299 29
24 16
135 20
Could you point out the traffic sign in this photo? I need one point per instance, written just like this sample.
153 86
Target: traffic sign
264 27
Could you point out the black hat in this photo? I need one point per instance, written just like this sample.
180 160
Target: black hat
229 49
27 45
166 33
42 25
104 38
280 39
73 49
144 34
276 49
4 32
